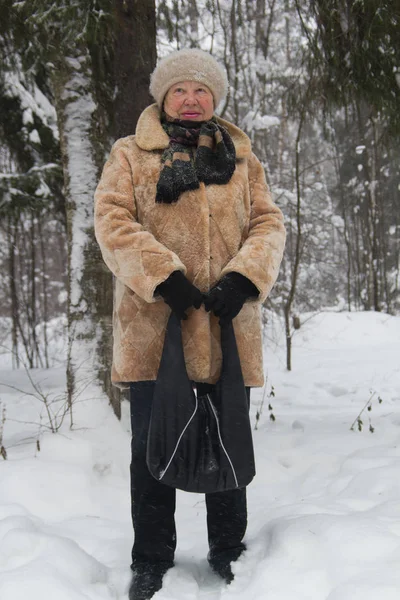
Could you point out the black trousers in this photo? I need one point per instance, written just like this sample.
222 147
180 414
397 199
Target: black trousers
153 503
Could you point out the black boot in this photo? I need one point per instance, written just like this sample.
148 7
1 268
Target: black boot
221 561
147 579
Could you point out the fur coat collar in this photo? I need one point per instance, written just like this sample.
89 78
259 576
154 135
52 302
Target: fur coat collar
151 136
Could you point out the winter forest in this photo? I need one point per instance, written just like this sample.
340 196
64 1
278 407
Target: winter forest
316 87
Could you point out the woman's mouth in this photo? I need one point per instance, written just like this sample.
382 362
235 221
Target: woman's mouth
190 115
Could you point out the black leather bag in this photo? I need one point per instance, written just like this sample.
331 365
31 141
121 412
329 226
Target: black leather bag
200 443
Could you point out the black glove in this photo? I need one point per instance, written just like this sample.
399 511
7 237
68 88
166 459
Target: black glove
179 294
226 298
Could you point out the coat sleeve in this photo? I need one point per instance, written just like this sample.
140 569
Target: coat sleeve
130 252
261 254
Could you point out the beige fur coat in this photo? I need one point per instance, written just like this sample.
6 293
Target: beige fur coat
207 233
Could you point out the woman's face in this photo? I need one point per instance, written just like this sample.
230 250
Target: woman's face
189 101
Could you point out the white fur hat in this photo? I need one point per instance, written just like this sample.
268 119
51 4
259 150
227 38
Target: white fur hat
188 65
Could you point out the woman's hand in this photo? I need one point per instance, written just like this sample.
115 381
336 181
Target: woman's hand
226 298
179 294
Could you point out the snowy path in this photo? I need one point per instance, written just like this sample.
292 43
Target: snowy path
324 509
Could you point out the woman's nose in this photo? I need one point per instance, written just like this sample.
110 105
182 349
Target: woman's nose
190 99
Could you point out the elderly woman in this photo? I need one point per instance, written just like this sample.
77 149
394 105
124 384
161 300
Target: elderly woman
186 223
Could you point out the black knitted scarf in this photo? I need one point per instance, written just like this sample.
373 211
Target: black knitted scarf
183 169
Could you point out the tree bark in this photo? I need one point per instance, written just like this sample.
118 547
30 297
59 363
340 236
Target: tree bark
11 242
297 254
193 13
135 59
45 313
81 146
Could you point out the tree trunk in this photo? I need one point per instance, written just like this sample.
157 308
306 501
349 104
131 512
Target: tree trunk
45 312
82 146
11 242
135 59
297 255
33 298
234 52
193 13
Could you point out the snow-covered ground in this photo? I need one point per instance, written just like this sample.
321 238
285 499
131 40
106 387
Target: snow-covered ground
324 509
